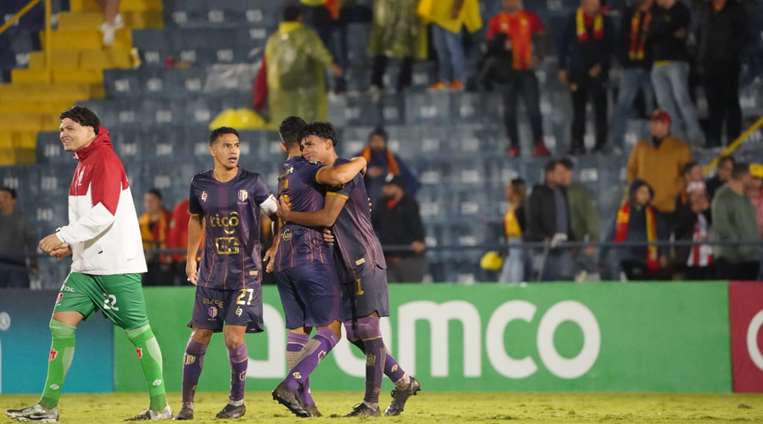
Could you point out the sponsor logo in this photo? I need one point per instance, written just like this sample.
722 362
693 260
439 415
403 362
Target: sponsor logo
54 387
297 375
286 235
239 311
370 360
157 382
242 376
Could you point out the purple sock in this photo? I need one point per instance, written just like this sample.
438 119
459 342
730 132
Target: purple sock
192 362
376 355
294 345
316 349
391 368
239 359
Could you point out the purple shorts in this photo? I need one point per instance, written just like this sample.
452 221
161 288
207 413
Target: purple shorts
364 298
214 308
310 295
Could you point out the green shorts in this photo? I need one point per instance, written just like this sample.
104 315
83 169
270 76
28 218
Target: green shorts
118 296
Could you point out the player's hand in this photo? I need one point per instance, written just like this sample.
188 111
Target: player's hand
191 272
270 259
283 209
418 247
595 71
564 77
365 163
50 243
328 236
61 252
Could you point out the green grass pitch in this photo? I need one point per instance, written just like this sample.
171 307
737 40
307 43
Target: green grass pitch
439 408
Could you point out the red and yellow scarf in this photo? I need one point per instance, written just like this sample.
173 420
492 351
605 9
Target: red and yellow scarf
621 233
639 28
517 27
582 30
392 166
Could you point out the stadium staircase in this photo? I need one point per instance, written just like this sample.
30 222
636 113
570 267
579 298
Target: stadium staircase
202 61
31 102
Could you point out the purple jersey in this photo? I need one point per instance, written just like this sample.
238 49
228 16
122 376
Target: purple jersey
353 230
231 211
300 245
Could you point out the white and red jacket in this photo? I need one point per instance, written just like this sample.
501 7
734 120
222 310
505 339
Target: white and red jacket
103 229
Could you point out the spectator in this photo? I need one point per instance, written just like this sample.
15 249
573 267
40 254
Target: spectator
325 17
548 220
755 193
584 59
734 222
177 238
635 56
382 162
693 180
721 177
668 36
112 21
696 261
511 33
724 33
637 221
154 230
448 18
17 243
395 34
291 77
514 226
659 162
398 223
584 219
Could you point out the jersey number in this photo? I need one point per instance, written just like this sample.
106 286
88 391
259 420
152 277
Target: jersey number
227 246
110 303
243 294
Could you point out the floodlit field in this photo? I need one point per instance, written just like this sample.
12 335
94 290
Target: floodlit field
440 408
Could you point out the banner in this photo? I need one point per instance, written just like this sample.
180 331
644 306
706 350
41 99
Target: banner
746 313
663 337
25 343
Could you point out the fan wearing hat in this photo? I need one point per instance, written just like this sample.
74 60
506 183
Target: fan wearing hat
659 161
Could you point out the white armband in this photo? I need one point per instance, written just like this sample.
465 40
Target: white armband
270 205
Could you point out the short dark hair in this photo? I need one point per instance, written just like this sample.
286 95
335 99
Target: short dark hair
9 190
155 192
82 116
567 163
320 129
218 132
550 165
291 13
381 132
726 158
637 184
291 130
740 170
688 167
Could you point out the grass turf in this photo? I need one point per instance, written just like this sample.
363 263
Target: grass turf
438 408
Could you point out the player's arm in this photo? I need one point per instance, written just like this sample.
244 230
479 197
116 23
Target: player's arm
105 189
195 231
337 175
325 217
270 255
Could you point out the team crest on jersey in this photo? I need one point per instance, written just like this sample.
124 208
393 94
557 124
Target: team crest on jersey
243 195
204 196
212 312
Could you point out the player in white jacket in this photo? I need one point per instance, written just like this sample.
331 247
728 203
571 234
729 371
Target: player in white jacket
103 238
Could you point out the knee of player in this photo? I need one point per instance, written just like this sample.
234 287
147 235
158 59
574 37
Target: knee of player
61 329
233 341
202 336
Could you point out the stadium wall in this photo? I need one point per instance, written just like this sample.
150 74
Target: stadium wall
650 337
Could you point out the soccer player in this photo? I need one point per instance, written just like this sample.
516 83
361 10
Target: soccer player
362 271
225 204
103 239
305 273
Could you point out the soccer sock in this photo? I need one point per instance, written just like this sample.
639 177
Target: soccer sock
315 350
150 356
391 368
192 364
294 345
375 358
239 359
59 361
